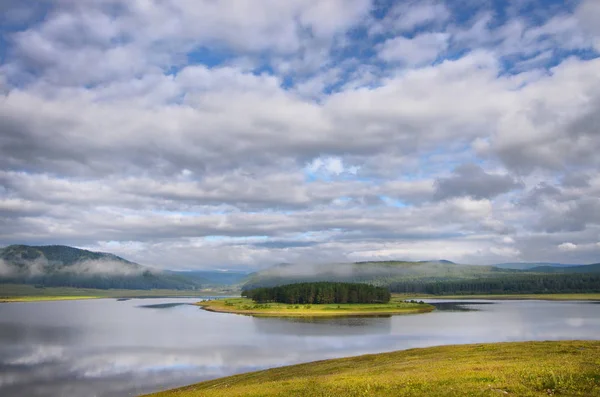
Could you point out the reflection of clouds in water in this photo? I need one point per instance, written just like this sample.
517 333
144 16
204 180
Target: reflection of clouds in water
38 355
575 322
316 326
111 348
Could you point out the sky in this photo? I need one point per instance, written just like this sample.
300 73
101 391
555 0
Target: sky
196 134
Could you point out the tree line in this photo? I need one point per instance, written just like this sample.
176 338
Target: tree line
145 281
523 284
320 293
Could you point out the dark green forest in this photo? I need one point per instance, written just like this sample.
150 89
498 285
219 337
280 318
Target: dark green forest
517 284
320 293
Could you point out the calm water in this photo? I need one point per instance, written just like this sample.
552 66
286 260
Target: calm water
118 348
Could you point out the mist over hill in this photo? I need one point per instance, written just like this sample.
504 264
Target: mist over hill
213 277
377 273
63 266
436 277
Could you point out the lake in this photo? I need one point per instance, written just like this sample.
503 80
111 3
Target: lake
117 348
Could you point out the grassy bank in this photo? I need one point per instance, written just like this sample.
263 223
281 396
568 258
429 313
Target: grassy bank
249 307
29 293
555 297
567 368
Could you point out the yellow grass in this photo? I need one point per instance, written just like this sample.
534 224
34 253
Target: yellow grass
525 369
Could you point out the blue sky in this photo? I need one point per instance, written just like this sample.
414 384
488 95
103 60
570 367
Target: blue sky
200 134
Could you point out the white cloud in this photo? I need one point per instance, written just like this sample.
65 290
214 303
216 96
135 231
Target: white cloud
405 16
567 247
330 166
419 50
185 132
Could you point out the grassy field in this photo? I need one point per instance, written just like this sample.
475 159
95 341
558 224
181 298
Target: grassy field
29 293
566 368
249 307
557 297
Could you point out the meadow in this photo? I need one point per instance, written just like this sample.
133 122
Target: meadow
527 369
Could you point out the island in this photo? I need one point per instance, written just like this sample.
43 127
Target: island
496 369
319 299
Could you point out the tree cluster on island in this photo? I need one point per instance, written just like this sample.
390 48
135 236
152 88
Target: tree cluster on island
320 293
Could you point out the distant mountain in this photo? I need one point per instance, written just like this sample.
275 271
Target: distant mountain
437 277
58 265
527 266
444 261
213 277
594 268
378 273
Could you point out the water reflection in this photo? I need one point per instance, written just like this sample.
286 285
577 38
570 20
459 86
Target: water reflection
116 348
163 305
465 306
324 326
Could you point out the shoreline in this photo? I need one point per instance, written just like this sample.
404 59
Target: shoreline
505 368
133 294
547 297
247 307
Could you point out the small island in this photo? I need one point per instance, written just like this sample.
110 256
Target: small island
320 299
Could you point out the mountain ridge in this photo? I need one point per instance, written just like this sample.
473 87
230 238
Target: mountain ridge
61 265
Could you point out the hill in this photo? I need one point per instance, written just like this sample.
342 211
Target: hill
212 277
437 278
594 268
63 266
568 368
378 273
529 265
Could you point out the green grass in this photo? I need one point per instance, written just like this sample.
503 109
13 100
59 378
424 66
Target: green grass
566 368
558 297
249 307
29 293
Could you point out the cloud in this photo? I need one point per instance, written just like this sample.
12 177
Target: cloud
189 134
103 267
330 166
406 16
422 49
471 180
567 247
5 269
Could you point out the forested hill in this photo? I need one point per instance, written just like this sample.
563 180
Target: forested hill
436 277
531 265
213 277
377 273
595 268
63 266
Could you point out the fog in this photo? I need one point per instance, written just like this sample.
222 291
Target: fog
42 266
104 267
